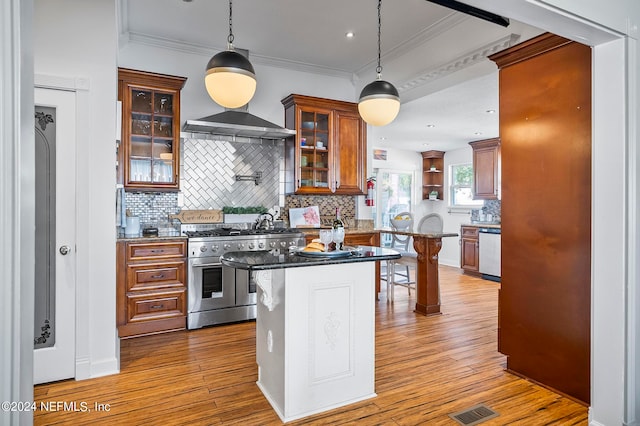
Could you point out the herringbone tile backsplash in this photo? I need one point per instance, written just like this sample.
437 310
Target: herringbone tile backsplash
209 169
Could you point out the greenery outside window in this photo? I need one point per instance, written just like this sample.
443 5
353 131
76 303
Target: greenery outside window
460 190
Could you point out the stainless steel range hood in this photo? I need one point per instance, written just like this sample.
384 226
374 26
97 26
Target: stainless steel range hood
237 123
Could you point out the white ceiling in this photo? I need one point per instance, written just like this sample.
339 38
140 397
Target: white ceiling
435 56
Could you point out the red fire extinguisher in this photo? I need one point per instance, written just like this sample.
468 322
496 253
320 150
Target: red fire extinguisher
371 184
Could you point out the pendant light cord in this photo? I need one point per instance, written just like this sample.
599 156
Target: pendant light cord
230 37
379 68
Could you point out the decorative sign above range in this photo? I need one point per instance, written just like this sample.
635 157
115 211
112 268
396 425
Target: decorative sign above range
199 216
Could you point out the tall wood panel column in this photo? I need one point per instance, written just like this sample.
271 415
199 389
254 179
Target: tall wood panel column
545 128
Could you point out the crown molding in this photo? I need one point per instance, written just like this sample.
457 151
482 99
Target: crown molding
443 25
208 51
463 61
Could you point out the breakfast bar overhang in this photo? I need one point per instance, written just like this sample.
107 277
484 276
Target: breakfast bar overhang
315 327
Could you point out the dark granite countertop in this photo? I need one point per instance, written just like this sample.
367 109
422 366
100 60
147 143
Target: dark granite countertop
260 260
417 234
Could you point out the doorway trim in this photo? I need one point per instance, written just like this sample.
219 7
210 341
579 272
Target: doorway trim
81 87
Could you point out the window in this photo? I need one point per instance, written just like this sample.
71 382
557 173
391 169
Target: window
461 178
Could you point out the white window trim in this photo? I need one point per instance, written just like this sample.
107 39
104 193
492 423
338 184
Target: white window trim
459 208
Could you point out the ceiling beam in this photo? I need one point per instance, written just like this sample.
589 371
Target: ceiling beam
473 11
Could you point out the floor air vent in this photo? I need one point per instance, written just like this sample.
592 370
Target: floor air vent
474 415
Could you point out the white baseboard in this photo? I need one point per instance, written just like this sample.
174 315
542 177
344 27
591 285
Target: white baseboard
85 369
449 262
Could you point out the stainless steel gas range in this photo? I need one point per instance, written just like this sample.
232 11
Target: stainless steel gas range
218 294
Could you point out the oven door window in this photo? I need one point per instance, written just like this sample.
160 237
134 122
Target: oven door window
212 283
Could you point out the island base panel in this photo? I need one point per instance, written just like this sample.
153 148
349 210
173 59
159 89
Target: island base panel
315 337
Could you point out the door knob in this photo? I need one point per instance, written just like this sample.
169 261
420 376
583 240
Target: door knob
64 250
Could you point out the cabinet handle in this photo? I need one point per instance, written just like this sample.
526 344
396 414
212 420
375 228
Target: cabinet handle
157 250
156 306
158 276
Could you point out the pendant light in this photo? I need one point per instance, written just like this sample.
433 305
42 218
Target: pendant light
230 78
379 101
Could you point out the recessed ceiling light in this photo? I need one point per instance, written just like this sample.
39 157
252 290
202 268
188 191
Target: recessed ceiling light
425 144
490 111
477 133
350 34
382 138
431 126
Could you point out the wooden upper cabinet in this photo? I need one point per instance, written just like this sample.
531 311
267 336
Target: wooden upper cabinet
150 144
486 169
350 153
328 153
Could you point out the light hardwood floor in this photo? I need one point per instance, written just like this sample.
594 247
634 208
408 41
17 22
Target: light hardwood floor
426 368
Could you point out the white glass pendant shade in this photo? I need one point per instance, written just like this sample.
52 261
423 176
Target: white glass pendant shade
379 103
230 79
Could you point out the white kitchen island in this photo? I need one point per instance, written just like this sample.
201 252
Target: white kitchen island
315 328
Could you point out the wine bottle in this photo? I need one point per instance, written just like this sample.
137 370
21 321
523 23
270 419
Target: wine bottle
338 230
337 222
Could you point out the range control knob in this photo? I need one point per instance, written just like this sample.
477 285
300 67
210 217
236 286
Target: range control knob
292 243
260 246
252 246
240 246
214 248
272 244
227 246
203 248
283 243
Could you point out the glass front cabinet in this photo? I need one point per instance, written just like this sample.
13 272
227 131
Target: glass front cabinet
316 146
150 142
327 155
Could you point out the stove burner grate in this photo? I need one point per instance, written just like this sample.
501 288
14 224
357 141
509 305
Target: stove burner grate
226 232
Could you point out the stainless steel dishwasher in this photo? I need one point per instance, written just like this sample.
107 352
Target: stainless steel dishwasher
489 257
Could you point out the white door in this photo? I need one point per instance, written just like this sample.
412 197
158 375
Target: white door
55 257
394 194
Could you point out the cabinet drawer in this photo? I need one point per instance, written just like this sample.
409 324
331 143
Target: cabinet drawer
156 275
469 232
152 306
360 240
156 250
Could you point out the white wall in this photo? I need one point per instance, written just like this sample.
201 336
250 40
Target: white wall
76 40
274 83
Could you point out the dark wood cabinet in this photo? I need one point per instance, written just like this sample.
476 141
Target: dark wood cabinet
486 169
433 175
150 144
469 249
151 287
545 130
328 153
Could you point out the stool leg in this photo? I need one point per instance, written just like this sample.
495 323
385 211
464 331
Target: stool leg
408 280
390 272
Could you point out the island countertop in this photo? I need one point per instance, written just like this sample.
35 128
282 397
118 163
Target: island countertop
261 260
416 234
